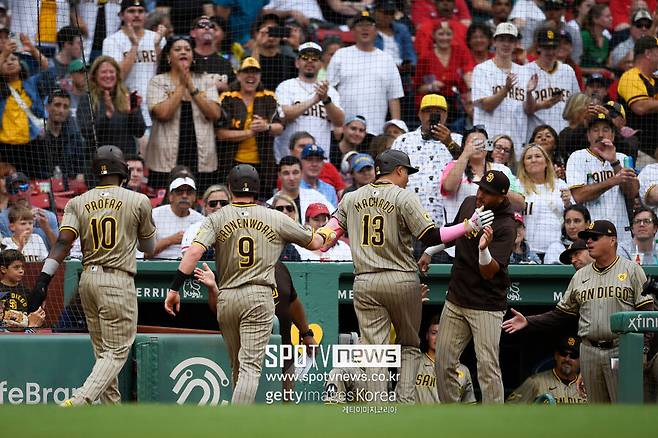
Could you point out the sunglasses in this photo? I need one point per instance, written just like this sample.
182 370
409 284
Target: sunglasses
287 208
222 202
206 25
594 238
309 58
642 25
570 354
14 189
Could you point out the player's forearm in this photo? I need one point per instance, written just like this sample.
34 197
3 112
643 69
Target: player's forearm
553 319
50 235
298 316
489 270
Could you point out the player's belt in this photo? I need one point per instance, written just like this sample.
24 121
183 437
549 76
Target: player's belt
603 345
96 268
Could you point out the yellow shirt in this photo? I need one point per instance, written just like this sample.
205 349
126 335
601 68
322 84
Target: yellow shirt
48 21
15 126
248 149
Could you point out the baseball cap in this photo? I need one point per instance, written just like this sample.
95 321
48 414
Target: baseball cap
179 182
433 100
310 46
312 150
641 14
506 29
615 109
361 161
249 62
552 5
396 122
569 344
519 218
316 209
388 160
125 4
76 65
597 77
645 43
547 38
355 117
600 117
17 177
363 16
495 182
3 6
599 228
577 245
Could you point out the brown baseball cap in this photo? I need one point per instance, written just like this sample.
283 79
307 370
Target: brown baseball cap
599 228
495 182
577 245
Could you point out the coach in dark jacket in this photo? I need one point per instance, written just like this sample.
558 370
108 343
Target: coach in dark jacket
477 293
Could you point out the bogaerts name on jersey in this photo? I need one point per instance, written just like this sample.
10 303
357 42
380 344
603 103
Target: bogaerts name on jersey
376 203
255 224
103 204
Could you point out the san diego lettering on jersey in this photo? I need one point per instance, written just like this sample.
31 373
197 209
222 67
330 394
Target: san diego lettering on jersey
625 294
225 232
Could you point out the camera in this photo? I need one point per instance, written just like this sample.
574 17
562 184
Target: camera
279 32
489 145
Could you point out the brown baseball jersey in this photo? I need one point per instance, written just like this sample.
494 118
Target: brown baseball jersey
109 221
546 382
381 219
248 240
426 392
595 294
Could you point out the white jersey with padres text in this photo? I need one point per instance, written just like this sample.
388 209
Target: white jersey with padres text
543 215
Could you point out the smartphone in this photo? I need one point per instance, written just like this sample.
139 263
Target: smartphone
435 119
489 145
17 40
133 100
279 32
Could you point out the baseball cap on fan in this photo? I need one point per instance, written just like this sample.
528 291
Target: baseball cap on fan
433 100
125 4
547 38
310 47
641 14
180 182
506 29
316 209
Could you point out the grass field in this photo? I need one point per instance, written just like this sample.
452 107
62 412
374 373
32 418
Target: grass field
161 421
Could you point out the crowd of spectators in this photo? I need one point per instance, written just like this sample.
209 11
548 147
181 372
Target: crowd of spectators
561 96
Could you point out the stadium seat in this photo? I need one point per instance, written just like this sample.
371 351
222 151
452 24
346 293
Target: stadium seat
40 200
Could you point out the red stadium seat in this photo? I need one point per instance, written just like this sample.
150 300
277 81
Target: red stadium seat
40 200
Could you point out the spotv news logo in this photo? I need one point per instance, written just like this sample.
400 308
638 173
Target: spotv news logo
210 379
336 356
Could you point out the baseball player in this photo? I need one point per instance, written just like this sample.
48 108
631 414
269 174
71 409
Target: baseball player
381 219
426 392
576 255
610 284
110 222
560 381
248 240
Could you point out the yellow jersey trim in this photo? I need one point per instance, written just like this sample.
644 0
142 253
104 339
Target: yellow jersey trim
606 269
65 227
422 233
205 248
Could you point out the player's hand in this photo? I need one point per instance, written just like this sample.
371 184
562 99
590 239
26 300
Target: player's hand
516 323
480 219
487 237
258 124
36 318
424 291
205 276
172 303
580 386
424 263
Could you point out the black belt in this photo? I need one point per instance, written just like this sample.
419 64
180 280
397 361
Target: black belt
603 345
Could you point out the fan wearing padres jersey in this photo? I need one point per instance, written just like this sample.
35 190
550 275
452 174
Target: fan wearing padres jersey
610 284
248 240
598 180
111 222
381 219
426 392
560 381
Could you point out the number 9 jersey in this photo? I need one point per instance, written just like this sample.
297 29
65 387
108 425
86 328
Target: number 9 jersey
381 219
109 220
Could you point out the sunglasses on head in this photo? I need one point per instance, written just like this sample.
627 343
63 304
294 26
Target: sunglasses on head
287 208
571 354
222 202
15 188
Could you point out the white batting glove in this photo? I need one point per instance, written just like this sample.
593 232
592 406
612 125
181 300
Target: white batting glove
480 219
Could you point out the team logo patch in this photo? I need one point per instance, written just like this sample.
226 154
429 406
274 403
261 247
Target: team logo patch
571 342
490 177
591 226
244 213
103 169
245 187
426 215
550 34
622 276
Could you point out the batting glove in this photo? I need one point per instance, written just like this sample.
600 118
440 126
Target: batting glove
480 219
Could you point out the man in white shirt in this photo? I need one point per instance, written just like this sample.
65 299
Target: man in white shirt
497 91
366 78
550 84
428 148
136 49
308 104
302 11
173 219
290 172
597 179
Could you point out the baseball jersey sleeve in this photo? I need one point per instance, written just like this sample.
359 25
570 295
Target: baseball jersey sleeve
414 215
294 232
481 86
70 221
638 278
568 303
576 174
525 393
156 91
146 228
340 214
631 88
283 94
206 235
394 88
112 48
333 70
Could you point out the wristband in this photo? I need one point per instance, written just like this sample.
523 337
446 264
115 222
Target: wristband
485 257
431 250
326 101
178 280
50 267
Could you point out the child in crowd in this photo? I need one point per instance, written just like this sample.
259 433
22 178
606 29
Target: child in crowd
21 224
521 254
14 296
